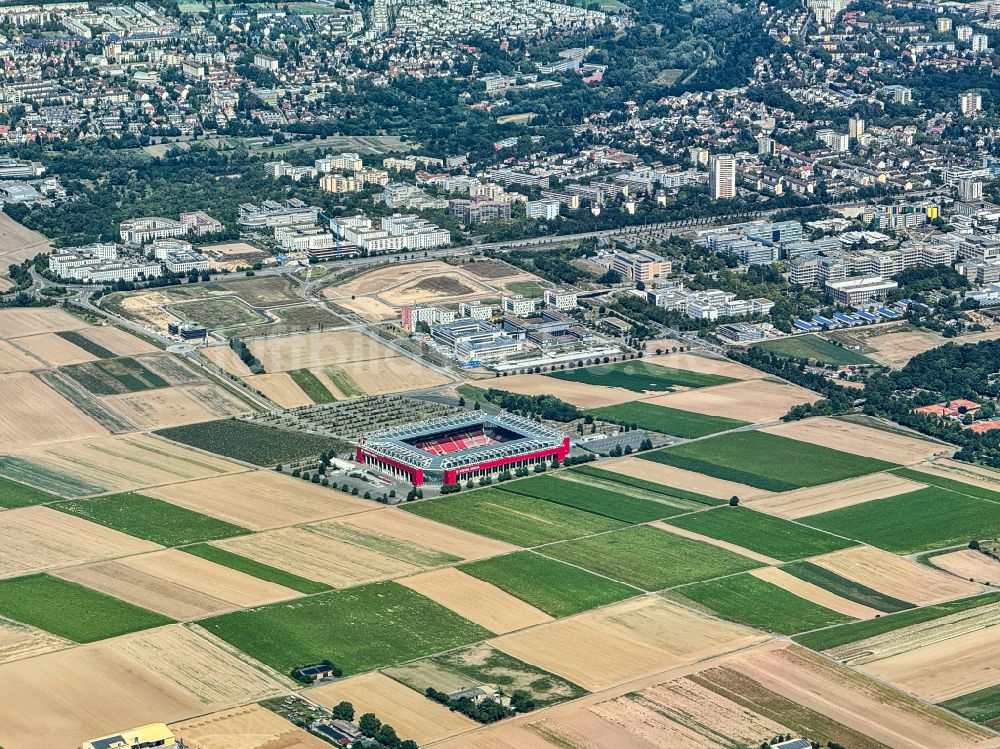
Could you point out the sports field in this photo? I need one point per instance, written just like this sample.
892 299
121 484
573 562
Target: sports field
666 420
815 349
640 376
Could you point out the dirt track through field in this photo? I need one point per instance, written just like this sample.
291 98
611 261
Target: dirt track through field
860 440
813 500
13 359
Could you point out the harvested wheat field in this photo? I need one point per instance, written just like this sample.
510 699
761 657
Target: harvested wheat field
251 727
54 350
619 643
872 709
32 413
965 472
40 538
814 593
578 393
945 669
392 375
513 734
21 321
318 349
861 440
279 388
168 407
701 364
19 243
181 586
226 359
409 712
117 341
19 641
678 478
969 565
816 499
753 400
477 601
895 576
13 359
260 500
736 549
896 349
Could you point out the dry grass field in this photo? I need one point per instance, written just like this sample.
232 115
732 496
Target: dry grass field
964 472
681 479
702 364
408 711
19 641
619 643
304 350
54 350
167 407
32 413
969 565
861 440
226 359
40 538
895 349
895 576
251 727
477 601
21 321
13 359
118 341
578 393
814 593
815 499
753 400
279 388
19 243
392 375
260 500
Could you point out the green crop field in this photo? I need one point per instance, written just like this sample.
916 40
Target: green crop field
555 588
255 569
814 348
344 382
918 521
960 487
28 471
749 600
151 519
845 588
217 313
81 341
847 633
253 443
14 494
982 706
639 376
311 386
597 498
766 461
527 289
622 480
674 421
516 519
359 629
765 534
650 558
70 610
115 376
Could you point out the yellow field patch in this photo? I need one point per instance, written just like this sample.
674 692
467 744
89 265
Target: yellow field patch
21 321
279 388
54 350
174 406
32 413
812 500
19 641
678 478
117 341
701 364
969 565
754 400
13 359
861 440
814 593
317 349
251 727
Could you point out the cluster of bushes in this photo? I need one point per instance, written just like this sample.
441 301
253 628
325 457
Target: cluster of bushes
246 355
379 734
486 711
543 406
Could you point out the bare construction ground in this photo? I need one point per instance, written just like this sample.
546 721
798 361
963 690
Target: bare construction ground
895 576
476 600
260 500
32 413
969 565
40 538
409 712
702 364
279 388
251 727
179 585
19 243
814 593
678 478
861 440
13 359
616 644
19 641
21 321
53 349
754 400
144 307
167 407
815 499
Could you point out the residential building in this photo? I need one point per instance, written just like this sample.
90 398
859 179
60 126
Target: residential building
412 316
476 309
337 183
519 305
547 210
561 299
970 103
722 176
478 210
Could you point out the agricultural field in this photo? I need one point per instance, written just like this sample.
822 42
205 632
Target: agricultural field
513 518
19 641
13 494
982 706
812 500
845 587
21 321
689 483
814 349
579 394
618 481
752 401
666 420
252 727
32 413
766 461
814 593
70 610
650 558
553 587
177 406
641 377
339 626
54 349
962 478
251 443
255 569
89 345
968 565
311 386
764 534
114 376
859 439
13 359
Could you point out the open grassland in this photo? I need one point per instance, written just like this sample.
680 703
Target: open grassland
340 626
753 400
251 443
70 610
766 461
615 481
152 519
813 500
311 386
13 494
649 558
252 727
859 439
815 349
115 376
640 377
919 521
748 600
32 413
551 586
764 534
255 569
513 518
845 588
217 313
666 420
982 706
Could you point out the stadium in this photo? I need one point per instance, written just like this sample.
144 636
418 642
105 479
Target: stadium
461 447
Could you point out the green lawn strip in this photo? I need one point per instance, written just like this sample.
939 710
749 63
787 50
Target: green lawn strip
845 588
14 494
514 518
815 348
255 568
557 589
674 421
81 341
669 491
252 443
151 519
767 461
70 610
765 534
826 639
650 558
640 376
959 487
749 600
344 382
311 386
982 706
594 498
359 629
926 519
